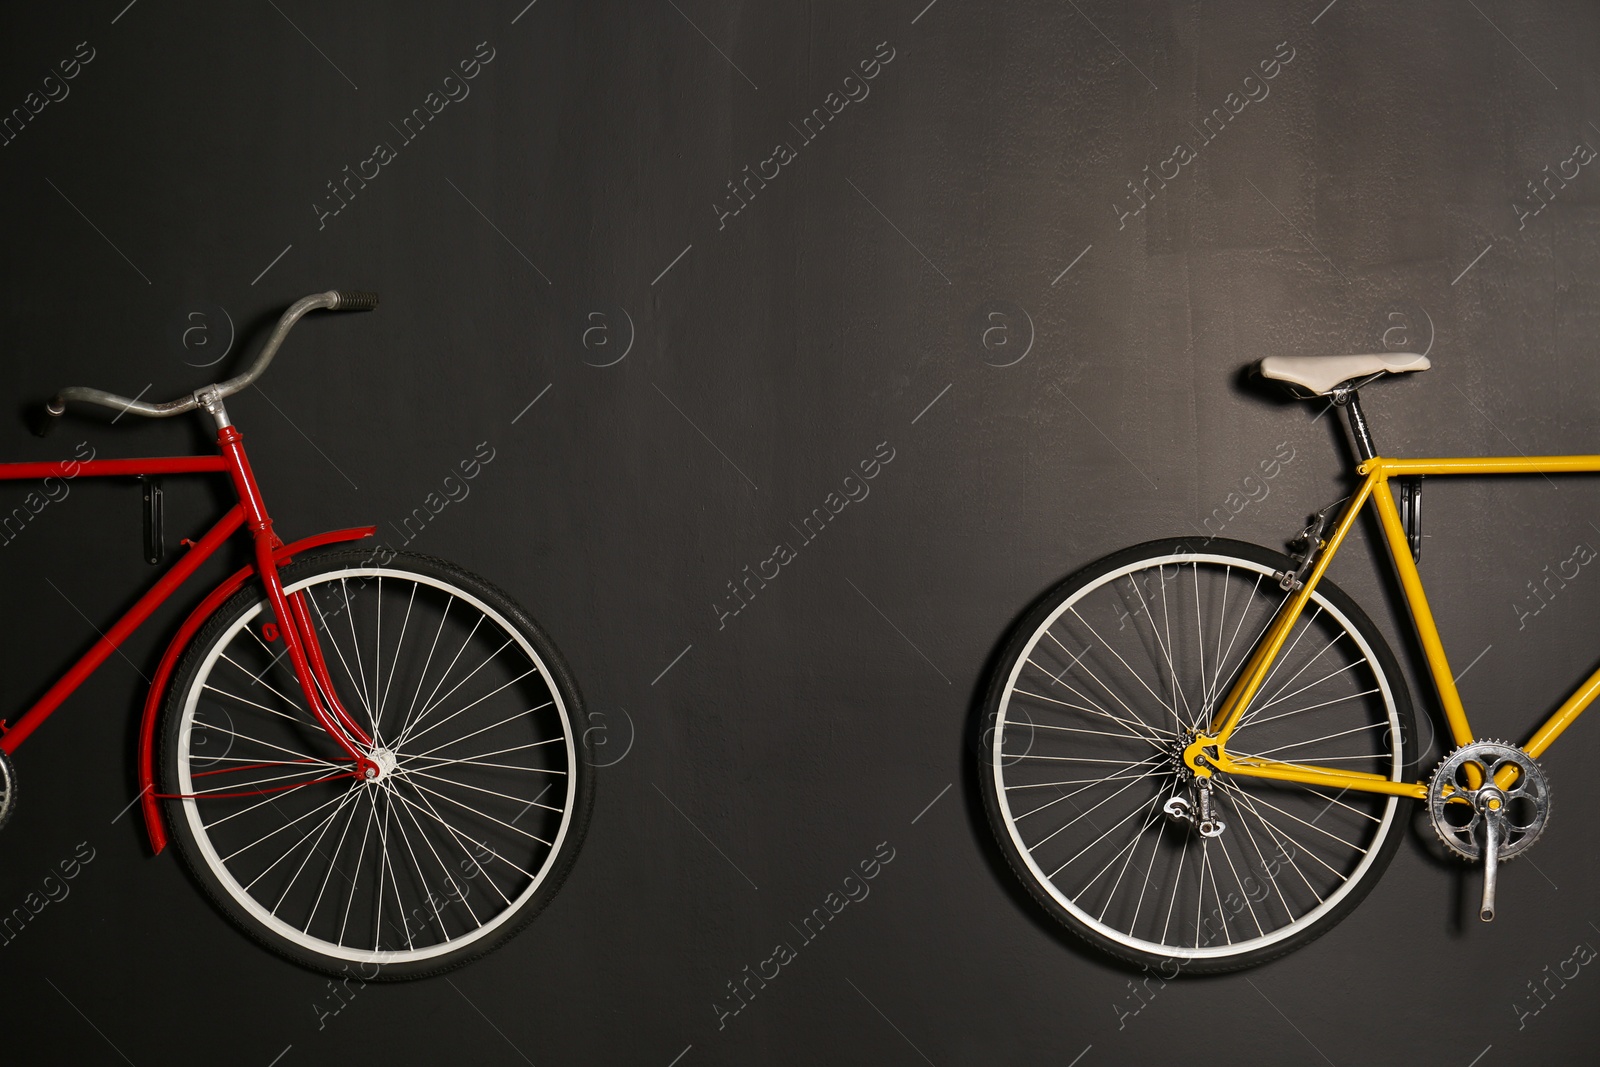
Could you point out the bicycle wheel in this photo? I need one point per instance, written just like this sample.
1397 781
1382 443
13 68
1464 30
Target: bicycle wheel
462 839
1091 706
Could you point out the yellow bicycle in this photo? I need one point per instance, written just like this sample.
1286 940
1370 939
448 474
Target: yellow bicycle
1199 747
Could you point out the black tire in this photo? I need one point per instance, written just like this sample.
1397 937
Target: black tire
1005 768
443 885
8 789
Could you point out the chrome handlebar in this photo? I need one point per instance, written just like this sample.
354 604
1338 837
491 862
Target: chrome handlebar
211 395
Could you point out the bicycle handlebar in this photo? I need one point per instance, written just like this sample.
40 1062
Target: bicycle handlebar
332 300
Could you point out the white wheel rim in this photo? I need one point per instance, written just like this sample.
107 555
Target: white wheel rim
292 934
998 766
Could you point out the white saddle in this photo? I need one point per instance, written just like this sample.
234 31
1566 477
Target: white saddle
1321 374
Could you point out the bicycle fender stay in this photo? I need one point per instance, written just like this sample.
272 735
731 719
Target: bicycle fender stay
154 824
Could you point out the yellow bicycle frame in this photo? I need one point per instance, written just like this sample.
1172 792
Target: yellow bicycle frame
1209 750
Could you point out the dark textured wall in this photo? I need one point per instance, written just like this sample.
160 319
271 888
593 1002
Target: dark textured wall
704 377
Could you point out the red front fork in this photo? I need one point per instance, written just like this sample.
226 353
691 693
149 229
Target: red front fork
294 620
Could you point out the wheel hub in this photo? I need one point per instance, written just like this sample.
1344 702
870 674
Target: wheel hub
378 765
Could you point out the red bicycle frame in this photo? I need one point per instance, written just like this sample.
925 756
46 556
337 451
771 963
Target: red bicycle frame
294 625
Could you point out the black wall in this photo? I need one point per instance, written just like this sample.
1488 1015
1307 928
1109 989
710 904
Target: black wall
1368 201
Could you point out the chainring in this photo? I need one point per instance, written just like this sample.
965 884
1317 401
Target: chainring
1455 806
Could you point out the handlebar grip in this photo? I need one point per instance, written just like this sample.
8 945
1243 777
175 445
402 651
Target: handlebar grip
354 300
45 417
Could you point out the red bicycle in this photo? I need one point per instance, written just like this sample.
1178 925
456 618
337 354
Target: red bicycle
366 757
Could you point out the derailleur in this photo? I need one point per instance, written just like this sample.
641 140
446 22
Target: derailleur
1311 542
1200 812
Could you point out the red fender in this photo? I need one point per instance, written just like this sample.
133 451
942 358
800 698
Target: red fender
153 821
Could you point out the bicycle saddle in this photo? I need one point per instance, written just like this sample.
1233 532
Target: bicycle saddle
1322 374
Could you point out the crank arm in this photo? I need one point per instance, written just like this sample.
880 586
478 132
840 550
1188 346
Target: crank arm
1493 835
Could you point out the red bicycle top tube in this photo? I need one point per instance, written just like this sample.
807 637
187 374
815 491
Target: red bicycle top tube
106 468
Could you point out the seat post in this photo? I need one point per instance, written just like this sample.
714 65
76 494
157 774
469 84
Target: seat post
1350 400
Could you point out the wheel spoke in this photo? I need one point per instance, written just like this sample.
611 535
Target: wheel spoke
355 646
1279 830
509 718
233 787
1279 836
1148 739
288 851
1082 781
1324 737
327 824
480 814
438 723
1287 654
1311 707
246 700
377 664
395 794
405 730
332 864
1200 646
355 882
1104 834
439 761
256 680
1145 611
428 809
1153 813
1244 824
1068 796
1135 727
1280 693
328 630
1136 675
1177 881
1243 892
423 677
534 803
399 645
